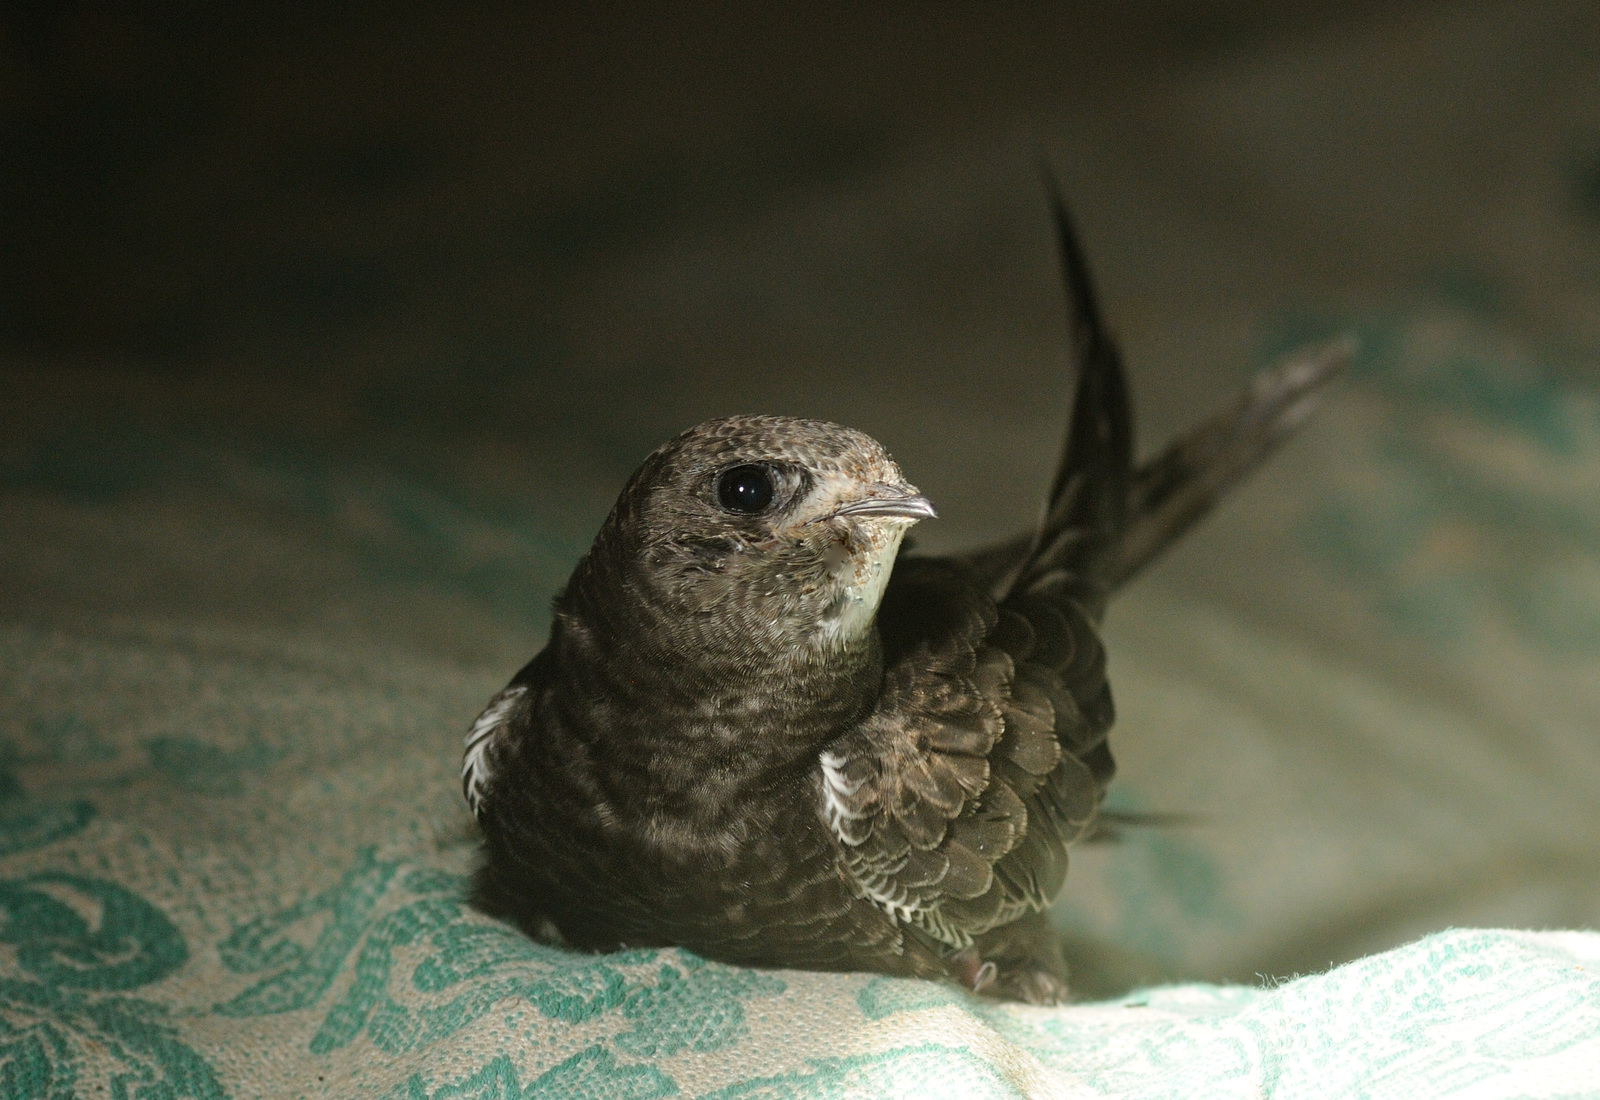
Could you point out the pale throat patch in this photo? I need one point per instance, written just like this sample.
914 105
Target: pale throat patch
866 574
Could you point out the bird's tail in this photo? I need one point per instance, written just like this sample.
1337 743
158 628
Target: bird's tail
1104 520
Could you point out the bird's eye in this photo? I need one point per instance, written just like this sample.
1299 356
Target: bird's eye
745 489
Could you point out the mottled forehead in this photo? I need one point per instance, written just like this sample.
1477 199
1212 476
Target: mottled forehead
824 448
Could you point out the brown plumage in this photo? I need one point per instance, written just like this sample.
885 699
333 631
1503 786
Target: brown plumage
747 738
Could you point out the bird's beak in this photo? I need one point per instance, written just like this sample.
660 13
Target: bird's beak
911 506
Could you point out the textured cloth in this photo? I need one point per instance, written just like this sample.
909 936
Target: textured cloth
232 852
227 873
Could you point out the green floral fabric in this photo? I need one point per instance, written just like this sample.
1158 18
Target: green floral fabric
232 845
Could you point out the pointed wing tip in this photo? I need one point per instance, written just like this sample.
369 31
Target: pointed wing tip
1082 299
1294 385
1328 358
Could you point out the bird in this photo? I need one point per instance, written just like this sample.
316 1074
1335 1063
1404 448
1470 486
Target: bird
757 733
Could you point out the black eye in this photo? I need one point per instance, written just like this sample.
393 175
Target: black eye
745 489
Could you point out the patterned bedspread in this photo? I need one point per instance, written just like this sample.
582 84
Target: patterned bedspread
231 856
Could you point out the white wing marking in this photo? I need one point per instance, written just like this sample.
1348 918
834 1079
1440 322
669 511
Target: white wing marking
475 765
836 788
876 884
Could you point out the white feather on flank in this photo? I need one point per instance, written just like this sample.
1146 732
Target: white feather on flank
475 765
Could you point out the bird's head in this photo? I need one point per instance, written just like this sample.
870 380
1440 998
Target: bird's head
761 533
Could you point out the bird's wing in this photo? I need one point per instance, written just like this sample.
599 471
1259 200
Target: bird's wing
1105 521
1074 544
1173 491
954 802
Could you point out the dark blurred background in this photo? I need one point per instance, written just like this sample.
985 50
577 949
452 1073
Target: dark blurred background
517 227
185 185
520 245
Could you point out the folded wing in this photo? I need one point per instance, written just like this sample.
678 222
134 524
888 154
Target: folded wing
953 806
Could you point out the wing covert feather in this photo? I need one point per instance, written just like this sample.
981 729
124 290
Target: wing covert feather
953 803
